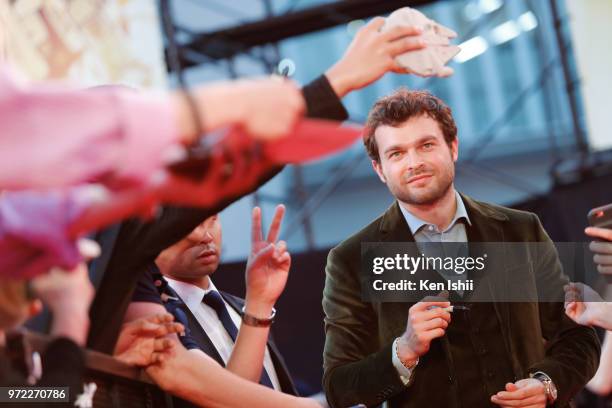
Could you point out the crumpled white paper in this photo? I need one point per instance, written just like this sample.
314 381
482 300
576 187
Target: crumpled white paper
432 59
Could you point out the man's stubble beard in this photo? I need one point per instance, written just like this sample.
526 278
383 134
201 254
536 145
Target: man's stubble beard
432 194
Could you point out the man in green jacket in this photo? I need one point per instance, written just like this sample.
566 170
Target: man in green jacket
508 354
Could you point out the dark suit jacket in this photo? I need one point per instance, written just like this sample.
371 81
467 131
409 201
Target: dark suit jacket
199 336
126 251
539 337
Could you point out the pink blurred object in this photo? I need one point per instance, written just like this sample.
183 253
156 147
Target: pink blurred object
34 230
39 229
54 136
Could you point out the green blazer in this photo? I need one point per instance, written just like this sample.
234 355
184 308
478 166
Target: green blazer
357 357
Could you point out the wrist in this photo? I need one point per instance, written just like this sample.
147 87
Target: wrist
70 307
338 80
184 119
213 102
72 326
601 317
259 309
405 353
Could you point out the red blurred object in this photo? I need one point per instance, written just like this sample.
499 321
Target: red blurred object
311 139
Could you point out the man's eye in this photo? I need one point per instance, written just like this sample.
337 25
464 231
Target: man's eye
394 154
428 145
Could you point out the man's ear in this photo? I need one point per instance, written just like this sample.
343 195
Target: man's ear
455 149
378 170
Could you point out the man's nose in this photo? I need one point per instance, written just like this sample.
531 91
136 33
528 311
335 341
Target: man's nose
206 237
413 159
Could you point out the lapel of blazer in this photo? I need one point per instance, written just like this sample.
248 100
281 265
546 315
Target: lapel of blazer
487 226
197 332
394 228
282 372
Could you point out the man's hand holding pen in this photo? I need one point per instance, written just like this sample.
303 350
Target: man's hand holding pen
427 320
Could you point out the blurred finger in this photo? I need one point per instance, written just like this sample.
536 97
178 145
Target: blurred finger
177 328
435 313
156 325
88 249
596 232
435 333
160 318
256 234
600 247
436 323
161 344
445 72
401 31
424 304
570 308
279 213
602 259
507 396
398 69
281 247
284 257
511 387
604 269
149 329
157 358
374 24
405 45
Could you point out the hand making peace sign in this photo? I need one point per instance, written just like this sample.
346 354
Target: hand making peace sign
268 265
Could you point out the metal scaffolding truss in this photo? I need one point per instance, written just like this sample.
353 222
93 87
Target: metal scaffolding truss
241 39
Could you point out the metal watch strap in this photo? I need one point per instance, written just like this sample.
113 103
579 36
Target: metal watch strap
549 386
251 320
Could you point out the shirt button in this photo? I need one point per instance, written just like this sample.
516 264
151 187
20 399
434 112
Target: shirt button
431 227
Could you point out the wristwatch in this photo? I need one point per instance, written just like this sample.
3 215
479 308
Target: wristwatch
251 320
549 386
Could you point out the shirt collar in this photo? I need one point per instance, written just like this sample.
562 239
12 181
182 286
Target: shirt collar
415 223
191 294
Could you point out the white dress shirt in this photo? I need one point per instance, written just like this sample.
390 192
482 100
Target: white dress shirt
192 296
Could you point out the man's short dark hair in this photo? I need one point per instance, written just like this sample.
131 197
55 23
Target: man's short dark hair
401 105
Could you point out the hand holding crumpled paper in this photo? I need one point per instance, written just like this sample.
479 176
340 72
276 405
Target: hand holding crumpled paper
431 60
